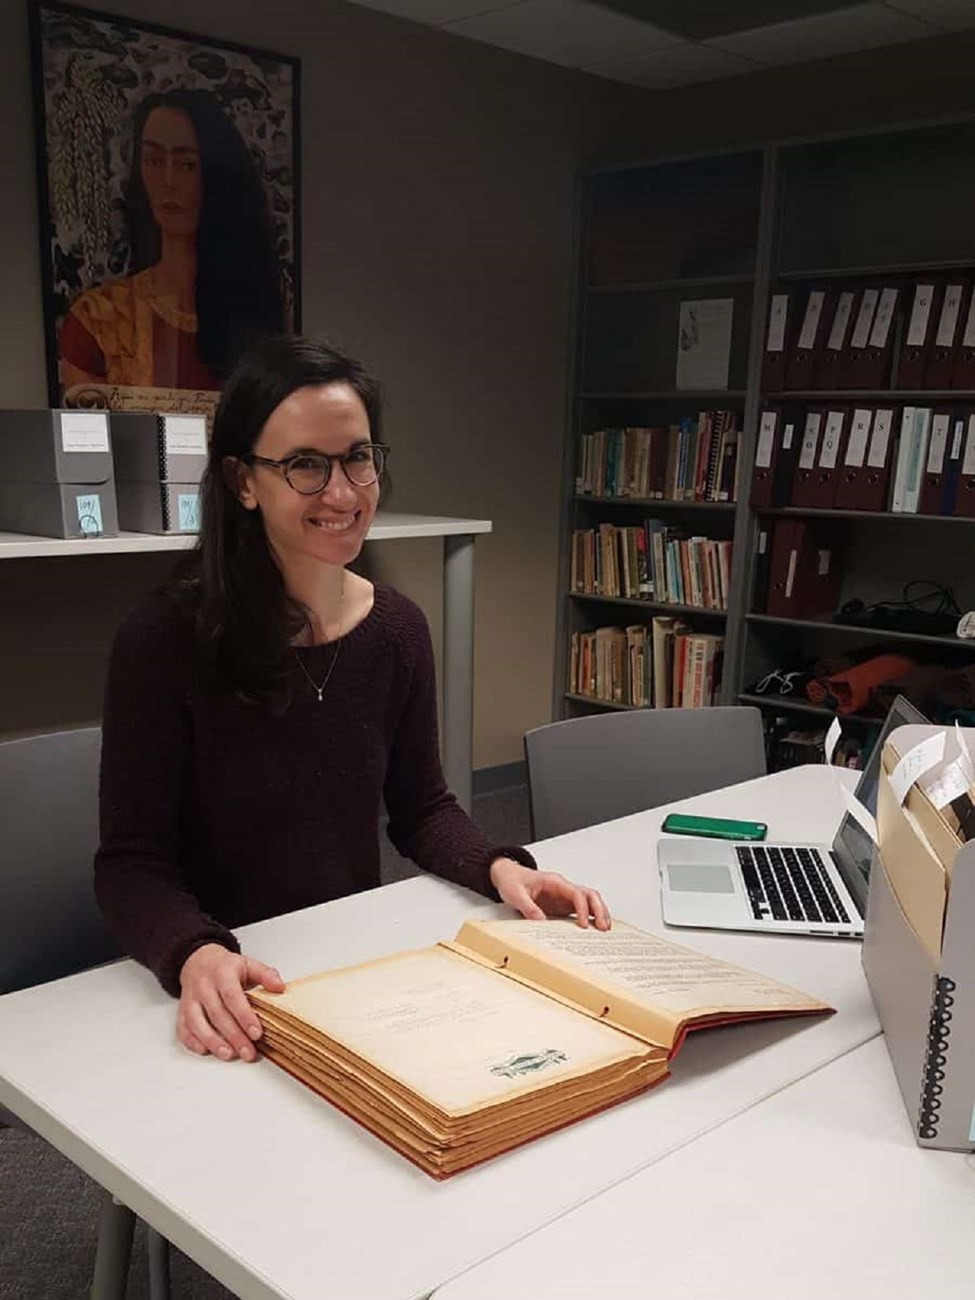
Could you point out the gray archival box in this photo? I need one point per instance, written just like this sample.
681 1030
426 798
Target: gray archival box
159 461
56 474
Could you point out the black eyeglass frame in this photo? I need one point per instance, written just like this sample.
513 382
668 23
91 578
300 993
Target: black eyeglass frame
285 465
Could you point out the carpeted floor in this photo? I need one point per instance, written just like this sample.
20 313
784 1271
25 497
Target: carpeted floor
49 1209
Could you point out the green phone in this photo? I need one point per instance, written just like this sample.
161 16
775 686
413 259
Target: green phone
718 828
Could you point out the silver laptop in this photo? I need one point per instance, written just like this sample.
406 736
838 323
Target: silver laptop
783 888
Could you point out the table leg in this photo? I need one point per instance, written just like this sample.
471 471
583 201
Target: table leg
158 1248
115 1228
458 666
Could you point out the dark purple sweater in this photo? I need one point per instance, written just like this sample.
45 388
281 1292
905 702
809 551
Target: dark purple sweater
215 813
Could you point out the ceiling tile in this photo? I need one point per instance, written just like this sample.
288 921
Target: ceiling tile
682 65
569 32
433 12
700 19
952 15
864 27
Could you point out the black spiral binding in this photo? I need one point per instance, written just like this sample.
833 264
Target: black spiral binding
935 1058
161 448
163 472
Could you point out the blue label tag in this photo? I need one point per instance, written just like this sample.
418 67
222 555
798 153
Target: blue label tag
89 514
188 507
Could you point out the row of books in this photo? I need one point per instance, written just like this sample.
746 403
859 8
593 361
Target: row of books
845 336
905 459
695 459
665 665
651 561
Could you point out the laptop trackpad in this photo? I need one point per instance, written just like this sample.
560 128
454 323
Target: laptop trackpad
700 878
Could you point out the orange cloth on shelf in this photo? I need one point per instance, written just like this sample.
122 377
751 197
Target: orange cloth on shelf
851 688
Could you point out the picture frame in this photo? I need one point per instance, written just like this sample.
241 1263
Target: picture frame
169 196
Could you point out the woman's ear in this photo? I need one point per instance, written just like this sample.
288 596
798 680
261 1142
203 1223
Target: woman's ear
237 479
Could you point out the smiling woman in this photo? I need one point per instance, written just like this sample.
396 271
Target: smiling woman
263 707
204 280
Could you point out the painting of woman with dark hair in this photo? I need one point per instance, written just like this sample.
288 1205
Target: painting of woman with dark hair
203 277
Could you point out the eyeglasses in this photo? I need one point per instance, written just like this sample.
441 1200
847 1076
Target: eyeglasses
309 472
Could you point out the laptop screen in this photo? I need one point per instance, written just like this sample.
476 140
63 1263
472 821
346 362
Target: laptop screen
852 845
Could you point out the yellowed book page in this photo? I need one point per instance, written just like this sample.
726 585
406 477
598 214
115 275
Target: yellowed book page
451 1030
627 977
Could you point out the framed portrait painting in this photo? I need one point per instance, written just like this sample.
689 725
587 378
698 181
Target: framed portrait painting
169 207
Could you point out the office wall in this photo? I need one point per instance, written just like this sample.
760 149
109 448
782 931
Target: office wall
437 228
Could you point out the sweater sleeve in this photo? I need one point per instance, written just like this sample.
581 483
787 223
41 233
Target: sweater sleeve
426 823
145 776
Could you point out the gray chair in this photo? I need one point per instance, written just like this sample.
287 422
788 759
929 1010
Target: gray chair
50 925
592 769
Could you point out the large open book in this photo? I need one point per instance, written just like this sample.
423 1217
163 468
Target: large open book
455 1053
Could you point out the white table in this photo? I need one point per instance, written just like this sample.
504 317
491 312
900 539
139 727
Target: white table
458 608
278 1195
819 1191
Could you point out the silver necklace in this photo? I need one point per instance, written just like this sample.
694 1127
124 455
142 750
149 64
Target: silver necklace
320 690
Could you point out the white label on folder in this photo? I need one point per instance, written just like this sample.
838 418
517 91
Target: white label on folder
840 322
856 448
885 314
832 739
831 440
917 762
84 431
762 541
89 509
858 812
787 433
938 444
810 441
810 324
776 322
791 576
968 339
917 331
823 558
766 438
949 316
185 435
861 330
956 440
877 456
947 784
188 510
968 464
965 753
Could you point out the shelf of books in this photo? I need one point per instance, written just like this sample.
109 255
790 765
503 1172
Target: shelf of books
663 340
866 422
771 465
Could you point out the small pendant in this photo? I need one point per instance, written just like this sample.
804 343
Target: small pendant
320 689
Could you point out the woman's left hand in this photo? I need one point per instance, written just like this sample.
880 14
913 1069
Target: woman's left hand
537 894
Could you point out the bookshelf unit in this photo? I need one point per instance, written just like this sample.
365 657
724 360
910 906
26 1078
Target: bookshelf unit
880 208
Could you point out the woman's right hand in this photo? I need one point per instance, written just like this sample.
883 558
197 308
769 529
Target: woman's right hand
214 1015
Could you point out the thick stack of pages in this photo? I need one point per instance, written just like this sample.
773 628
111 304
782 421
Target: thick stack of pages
455 1053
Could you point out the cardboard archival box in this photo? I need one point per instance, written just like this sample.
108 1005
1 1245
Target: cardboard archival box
56 474
159 461
919 953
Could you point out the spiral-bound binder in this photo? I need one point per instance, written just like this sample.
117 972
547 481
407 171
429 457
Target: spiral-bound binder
922 972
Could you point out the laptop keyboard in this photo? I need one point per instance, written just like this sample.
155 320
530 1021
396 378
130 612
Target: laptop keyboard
789 885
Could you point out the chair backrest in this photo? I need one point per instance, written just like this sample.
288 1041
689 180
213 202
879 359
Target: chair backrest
588 770
50 924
